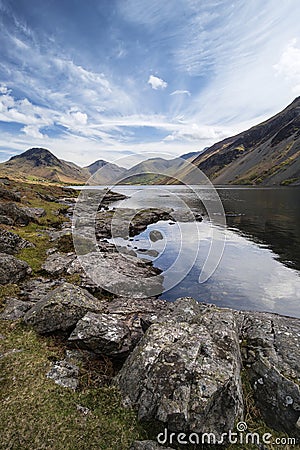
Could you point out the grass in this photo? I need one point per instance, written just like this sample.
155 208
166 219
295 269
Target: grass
38 414
289 181
34 256
35 412
8 290
35 232
254 421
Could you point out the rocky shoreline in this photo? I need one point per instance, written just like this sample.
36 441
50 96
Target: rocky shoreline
181 365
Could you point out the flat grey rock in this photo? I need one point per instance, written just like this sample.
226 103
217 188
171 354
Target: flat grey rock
122 275
58 263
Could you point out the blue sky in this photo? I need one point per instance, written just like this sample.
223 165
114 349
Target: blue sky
110 78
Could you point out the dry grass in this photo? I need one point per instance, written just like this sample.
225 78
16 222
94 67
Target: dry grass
38 414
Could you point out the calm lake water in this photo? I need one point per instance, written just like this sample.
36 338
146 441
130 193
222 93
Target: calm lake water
260 265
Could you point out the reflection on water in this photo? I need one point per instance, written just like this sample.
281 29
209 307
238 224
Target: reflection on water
248 276
270 216
261 262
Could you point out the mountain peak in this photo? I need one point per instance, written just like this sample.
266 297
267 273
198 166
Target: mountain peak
295 102
39 156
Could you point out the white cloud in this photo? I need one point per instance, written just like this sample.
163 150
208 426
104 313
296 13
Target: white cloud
32 131
157 83
289 63
195 133
181 92
288 66
3 89
23 111
79 117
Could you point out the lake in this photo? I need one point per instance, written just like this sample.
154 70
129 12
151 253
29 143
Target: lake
259 268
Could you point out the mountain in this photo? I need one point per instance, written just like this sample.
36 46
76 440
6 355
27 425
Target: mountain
40 164
109 174
192 155
155 170
266 154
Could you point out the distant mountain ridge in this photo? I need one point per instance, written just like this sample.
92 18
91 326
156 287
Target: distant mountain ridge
39 164
267 154
108 173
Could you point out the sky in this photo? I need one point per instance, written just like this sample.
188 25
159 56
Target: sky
105 79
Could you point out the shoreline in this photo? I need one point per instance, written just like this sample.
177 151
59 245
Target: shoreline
57 299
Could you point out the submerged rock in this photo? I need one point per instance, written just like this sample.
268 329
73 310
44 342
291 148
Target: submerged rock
12 270
60 310
185 372
155 235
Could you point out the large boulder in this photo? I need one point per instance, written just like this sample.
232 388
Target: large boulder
14 214
12 243
271 354
117 330
61 309
185 372
12 270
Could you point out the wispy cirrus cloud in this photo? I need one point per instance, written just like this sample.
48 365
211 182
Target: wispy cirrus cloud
181 92
214 68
